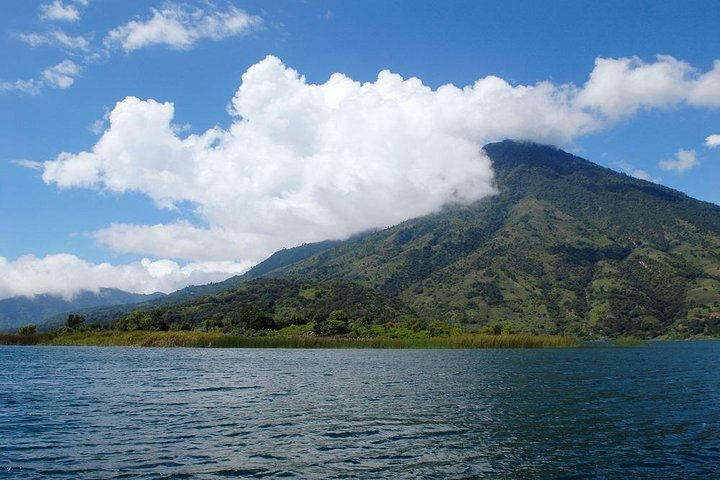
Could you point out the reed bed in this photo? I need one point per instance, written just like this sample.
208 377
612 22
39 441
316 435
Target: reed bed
221 340
628 342
12 339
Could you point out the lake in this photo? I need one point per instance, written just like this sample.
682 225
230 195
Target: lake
645 412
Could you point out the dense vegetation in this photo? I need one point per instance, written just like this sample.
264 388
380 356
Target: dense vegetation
266 305
248 326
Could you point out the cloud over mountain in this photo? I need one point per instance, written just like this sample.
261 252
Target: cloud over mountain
303 162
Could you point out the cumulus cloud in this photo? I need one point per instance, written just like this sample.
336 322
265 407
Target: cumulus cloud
684 160
620 87
303 162
66 275
61 75
180 26
56 38
58 11
712 141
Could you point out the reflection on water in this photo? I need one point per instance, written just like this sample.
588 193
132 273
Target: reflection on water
131 413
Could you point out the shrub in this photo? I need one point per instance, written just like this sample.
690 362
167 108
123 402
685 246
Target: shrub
27 330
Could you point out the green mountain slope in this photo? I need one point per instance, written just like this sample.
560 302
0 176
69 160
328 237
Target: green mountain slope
288 301
565 246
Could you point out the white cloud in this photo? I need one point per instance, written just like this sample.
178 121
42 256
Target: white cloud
177 240
55 38
637 172
712 141
30 87
31 164
705 90
175 25
66 275
57 11
619 87
61 75
180 26
97 127
684 160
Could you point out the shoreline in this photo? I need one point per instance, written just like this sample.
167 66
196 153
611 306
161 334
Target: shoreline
222 340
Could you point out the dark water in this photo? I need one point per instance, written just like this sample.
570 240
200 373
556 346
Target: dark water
648 412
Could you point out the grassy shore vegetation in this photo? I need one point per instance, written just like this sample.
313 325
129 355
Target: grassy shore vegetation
139 338
334 331
628 342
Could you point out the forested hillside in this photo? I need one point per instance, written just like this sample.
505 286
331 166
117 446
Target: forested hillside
565 246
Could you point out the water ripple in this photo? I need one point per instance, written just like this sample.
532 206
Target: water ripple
210 413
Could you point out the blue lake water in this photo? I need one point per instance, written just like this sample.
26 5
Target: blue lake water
647 412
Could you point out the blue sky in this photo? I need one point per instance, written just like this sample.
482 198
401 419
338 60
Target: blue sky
148 145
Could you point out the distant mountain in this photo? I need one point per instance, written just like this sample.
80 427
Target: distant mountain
279 259
19 311
565 246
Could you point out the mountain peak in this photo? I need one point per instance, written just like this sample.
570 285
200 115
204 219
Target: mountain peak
510 153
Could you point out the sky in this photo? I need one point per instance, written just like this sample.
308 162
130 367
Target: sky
150 145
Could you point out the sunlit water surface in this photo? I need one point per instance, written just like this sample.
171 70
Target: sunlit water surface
647 412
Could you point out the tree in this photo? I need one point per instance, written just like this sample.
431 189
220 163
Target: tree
252 318
27 330
135 320
75 322
508 329
159 320
337 323
438 328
